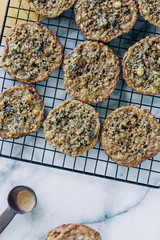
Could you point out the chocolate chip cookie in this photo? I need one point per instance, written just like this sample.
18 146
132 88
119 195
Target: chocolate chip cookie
104 20
31 52
130 135
150 10
73 231
141 64
72 127
50 8
91 72
21 111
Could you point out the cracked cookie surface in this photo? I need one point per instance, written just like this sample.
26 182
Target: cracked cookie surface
31 52
21 111
72 127
91 72
50 8
150 10
141 64
130 135
73 232
104 20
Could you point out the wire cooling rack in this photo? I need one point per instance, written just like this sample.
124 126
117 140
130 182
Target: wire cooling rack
34 148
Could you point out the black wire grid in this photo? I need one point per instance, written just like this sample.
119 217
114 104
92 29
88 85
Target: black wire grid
34 148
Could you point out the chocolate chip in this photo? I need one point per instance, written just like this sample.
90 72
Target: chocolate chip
147 126
136 66
144 77
141 152
135 116
97 57
124 127
74 68
62 115
8 108
32 76
86 70
40 46
19 69
107 25
1 127
83 142
104 71
117 27
116 129
17 117
90 133
25 119
18 52
126 9
113 22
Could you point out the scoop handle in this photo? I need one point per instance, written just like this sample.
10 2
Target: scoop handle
6 217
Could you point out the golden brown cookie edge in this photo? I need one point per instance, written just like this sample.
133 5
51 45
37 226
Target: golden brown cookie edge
2 94
6 51
97 130
131 163
116 79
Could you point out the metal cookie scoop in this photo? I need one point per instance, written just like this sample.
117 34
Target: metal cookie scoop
21 200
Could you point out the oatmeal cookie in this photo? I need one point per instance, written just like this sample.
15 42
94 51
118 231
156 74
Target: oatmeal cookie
150 10
104 20
50 8
72 127
31 52
141 64
91 72
21 111
130 135
73 231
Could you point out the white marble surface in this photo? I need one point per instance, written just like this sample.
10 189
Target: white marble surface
117 210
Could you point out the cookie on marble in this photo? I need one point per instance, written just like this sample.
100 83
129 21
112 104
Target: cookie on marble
104 20
130 135
73 231
31 52
50 8
72 127
91 72
150 11
21 111
141 64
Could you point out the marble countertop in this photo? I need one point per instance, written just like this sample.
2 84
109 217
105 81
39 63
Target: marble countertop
117 210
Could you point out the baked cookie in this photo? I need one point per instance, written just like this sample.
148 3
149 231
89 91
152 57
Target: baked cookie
21 111
73 231
91 72
150 10
72 127
130 135
104 20
50 8
31 52
141 64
